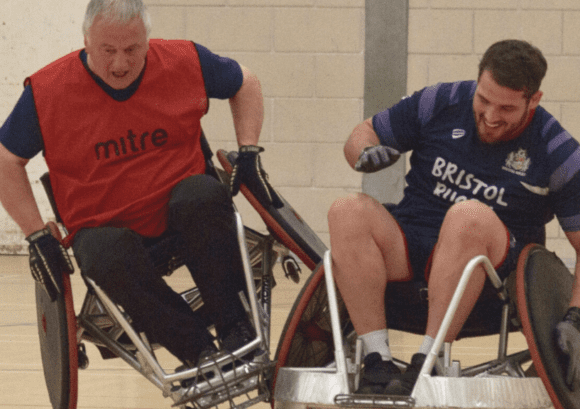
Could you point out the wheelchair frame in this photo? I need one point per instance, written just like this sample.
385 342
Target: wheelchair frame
207 392
103 323
499 383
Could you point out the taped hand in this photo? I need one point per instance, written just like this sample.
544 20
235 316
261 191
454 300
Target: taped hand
568 339
375 158
48 261
248 170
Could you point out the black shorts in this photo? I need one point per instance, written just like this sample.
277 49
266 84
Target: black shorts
420 244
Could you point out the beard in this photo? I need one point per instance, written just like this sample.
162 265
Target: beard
503 131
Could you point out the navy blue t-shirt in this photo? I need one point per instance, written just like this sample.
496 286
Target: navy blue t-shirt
21 135
525 180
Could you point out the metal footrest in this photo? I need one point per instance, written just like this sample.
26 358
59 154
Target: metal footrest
225 386
375 401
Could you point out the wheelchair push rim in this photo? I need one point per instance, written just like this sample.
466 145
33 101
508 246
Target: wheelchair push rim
58 345
543 290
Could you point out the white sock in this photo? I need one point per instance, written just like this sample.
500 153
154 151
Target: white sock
377 341
426 345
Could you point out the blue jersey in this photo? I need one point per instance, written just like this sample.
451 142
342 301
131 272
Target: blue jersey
525 180
21 134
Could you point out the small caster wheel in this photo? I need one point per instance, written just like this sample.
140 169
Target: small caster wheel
83 357
291 268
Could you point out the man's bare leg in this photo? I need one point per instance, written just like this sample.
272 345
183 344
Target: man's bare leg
470 229
368 250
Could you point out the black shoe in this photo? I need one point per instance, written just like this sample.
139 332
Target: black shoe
404 385
203 356
376 374
238 335
206 354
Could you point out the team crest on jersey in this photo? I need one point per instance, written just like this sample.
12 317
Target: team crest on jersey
517 162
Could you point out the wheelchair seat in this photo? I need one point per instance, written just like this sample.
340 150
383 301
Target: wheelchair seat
407 306
101 323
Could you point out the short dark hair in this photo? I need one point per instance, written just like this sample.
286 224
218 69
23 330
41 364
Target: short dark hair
515 64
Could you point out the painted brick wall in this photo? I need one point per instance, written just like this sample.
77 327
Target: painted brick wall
309 56
32 34
448 37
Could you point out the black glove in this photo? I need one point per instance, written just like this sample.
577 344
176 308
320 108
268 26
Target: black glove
248 170
568 338
375 158
48 261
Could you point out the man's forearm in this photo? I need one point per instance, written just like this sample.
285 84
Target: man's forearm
361 137
16 194
248 110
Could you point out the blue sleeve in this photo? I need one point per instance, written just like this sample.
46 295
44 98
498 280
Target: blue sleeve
222 76
563 161
399 125
20 134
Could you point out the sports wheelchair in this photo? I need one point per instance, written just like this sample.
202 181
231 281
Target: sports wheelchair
224 379
319 356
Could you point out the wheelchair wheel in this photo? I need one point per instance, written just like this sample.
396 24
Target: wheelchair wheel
306 339
284 223
543 290
58 345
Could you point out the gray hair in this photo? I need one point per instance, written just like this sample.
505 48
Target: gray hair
119 11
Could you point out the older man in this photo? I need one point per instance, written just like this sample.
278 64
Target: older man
119 125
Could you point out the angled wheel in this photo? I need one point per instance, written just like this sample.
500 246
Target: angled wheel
284 223
306 339
58 345
543 287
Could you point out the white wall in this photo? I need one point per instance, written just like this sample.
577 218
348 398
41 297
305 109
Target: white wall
32 34
309 56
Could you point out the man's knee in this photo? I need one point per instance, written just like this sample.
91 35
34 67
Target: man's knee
197 197
471 216
101 251
472 225
349 208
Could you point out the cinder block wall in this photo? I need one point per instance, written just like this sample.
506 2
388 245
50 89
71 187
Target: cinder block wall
309 56
32 34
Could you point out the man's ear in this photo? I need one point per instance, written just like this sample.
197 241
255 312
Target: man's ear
535 99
